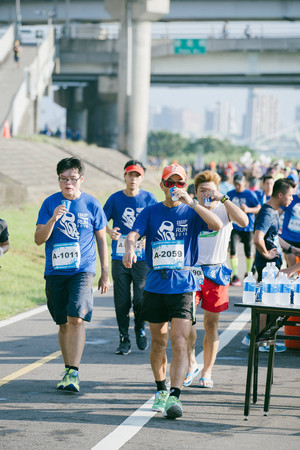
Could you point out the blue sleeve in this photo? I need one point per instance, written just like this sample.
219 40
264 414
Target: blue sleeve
253 199
141 222
100 217
108 207
153 199
44 213
264 221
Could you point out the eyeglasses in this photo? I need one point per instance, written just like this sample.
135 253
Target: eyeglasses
71 180
171 183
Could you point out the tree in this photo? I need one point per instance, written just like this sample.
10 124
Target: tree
165 144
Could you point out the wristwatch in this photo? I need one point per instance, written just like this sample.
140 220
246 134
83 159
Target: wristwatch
225 198
195 202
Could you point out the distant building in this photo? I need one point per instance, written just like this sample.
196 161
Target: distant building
221 120
297 114
262 115
176 120
209 120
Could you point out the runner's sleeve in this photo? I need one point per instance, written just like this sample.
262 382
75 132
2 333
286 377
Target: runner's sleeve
3 231
108 207
264 220
141 222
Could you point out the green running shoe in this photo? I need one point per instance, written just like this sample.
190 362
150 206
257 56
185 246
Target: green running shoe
160 401
72 381
173 408
62 383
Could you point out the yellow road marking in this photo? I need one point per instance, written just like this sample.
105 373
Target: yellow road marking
29 368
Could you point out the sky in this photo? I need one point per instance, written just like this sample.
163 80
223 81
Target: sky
198 99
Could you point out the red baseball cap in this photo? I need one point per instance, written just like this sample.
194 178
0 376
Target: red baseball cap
172 170
134 168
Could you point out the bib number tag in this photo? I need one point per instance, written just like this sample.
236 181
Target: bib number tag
198 274
120 250
168 255
66 256
294 224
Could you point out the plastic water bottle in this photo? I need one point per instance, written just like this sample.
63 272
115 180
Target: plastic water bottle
283 296
249 287
297 292
274 269
266 270
270 289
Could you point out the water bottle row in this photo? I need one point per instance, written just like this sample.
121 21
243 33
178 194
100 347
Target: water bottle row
272 290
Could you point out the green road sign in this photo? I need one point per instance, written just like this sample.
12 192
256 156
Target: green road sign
189 46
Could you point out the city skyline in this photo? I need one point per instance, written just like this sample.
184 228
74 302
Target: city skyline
198 99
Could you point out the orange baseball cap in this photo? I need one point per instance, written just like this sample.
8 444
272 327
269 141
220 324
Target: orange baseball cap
173 169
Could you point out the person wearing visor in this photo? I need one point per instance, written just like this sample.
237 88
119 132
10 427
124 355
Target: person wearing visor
248 202
122 208
171 229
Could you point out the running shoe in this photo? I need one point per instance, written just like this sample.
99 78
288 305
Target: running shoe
72 381
235 281
173 408
62 383
160 401
246 340
279 348
124 346
141 339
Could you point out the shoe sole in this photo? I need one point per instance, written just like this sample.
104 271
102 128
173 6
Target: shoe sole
143 349
71 388
60 387
158 409
173 412
118 352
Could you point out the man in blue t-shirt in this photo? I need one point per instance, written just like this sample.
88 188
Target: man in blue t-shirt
171 229
264 193
291 226
268 243
247 201
123 207
68 223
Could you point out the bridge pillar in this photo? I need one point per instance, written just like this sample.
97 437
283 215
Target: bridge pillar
103 114
134 70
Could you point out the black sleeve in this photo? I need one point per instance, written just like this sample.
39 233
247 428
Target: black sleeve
3 231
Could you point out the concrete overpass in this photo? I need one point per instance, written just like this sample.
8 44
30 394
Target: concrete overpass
121 74
88 75
36 11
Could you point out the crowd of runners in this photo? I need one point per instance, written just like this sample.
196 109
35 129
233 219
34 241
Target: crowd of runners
168 258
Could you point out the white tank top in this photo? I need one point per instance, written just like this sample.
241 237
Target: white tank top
213 245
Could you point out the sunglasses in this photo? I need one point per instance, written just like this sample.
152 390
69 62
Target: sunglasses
171 183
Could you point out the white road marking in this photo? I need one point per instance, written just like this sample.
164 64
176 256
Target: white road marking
132 425
23 316
27 314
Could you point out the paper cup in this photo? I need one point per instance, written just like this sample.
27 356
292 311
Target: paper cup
66 204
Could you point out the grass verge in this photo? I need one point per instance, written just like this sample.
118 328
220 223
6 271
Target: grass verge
22 284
